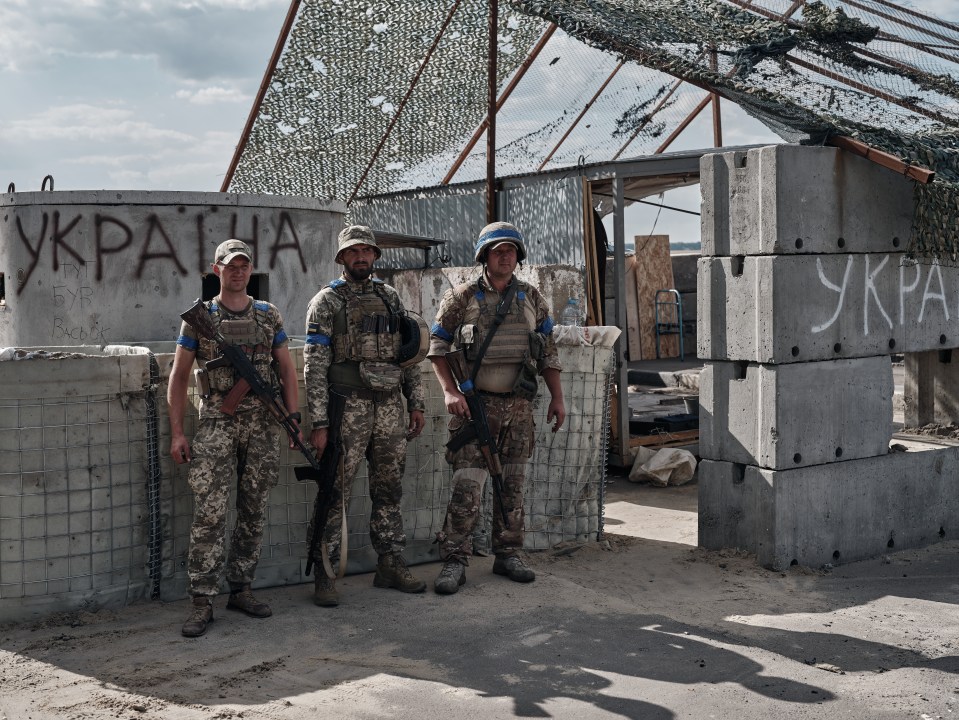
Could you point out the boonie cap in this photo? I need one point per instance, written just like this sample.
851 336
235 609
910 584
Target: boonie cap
355 235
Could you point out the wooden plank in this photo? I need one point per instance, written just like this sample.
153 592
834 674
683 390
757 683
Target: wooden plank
634 347
681 436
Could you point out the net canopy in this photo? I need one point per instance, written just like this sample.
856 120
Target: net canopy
370 98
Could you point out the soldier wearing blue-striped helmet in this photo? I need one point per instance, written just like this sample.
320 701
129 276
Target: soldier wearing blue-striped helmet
497 233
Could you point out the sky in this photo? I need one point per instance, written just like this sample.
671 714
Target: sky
148 95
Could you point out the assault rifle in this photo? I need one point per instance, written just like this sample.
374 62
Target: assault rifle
198 317
478 428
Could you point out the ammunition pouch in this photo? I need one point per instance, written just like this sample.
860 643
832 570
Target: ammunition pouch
202 382
380 376
527 382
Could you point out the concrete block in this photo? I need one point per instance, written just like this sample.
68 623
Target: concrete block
789 199
154 246
796 415
831 514
799 308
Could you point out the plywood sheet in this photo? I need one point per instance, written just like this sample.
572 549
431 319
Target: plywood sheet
653 272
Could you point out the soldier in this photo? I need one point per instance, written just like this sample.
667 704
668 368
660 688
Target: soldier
241 449
352 354
504 369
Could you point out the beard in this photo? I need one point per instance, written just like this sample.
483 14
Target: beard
359 274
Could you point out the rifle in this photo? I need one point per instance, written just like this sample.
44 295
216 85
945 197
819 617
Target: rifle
330 468
198 317
478 427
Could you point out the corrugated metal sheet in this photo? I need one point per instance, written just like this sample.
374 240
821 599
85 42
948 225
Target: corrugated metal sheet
548 211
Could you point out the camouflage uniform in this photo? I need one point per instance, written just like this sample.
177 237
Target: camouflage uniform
341 327
463 321
243 449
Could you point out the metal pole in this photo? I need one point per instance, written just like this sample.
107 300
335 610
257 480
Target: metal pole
622 370
491 114
717 113
520 73
581 114
261 93
406 97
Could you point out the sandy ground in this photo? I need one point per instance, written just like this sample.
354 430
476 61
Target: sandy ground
630 628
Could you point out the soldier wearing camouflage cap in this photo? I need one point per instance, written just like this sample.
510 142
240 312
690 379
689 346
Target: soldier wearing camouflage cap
504 373
353 356
238 451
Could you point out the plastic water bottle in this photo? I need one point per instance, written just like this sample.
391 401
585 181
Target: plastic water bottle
571 314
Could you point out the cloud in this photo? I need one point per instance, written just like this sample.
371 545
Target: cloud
213 95
191 40
94 123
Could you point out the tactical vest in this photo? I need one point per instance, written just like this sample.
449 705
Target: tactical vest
252 331
510 348
366 340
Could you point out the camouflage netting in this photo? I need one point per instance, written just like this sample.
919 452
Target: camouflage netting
867 69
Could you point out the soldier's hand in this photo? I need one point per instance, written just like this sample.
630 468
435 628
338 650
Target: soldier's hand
417 423
299 436
318 439
557 410
180 449
456 404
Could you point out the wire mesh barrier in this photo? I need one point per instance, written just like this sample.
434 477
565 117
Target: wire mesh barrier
93 511
73 492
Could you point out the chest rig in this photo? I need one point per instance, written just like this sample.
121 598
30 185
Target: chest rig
251 331
366 339
509 350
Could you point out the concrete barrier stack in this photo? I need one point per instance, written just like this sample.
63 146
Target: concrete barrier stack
804 294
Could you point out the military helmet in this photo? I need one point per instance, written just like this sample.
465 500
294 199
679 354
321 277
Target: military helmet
414 339
355 235
496 233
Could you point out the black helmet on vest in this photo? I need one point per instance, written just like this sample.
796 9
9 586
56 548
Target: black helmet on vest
414 340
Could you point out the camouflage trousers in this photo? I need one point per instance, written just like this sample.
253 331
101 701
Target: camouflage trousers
244 452
375 431
511 423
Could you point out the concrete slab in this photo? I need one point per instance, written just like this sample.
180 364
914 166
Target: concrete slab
789 199
796 415
800 308
830 514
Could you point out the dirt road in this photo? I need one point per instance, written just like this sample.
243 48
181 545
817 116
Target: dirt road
633 629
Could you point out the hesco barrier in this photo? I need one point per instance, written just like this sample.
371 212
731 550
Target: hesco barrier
94 513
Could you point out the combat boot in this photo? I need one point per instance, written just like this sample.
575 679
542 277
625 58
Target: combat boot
241 598
201 615
391 572
324 591
514 567
450 578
